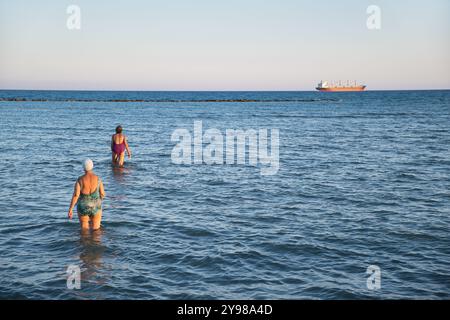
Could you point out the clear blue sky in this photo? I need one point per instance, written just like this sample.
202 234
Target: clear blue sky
223 44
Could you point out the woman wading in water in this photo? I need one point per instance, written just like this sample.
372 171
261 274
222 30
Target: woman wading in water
88 195
118 146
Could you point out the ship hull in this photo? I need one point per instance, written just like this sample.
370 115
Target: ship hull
343 89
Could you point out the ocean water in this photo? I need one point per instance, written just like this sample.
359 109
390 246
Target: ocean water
364 179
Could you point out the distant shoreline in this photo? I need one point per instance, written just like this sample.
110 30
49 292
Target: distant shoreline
211 91
161 100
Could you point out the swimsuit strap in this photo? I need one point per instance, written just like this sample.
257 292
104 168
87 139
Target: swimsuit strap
95 191
123 140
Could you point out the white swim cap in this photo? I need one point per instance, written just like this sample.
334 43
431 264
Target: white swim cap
88 165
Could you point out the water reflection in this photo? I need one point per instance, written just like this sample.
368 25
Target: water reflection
91 255
120 181
120 173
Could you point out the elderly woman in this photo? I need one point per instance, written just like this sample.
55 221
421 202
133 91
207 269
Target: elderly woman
88 195
119 144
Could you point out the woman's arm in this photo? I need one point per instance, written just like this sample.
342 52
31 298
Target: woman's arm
127 147
75 196
102 190
112 142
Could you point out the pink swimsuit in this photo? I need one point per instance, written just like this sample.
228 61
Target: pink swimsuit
119 148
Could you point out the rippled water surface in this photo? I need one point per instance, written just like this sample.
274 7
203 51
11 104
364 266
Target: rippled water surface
364 180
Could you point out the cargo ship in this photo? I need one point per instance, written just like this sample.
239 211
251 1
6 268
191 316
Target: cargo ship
333 87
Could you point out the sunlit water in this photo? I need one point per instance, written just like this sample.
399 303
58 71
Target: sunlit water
364 180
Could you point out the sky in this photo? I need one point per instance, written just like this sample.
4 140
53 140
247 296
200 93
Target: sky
223 45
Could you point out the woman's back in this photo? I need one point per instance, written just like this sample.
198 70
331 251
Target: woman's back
118 138
88 183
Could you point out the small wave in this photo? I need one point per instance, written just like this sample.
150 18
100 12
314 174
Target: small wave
194 232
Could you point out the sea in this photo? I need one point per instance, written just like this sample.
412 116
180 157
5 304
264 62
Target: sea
359 207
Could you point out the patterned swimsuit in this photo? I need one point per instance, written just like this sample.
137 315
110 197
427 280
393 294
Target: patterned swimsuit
89 204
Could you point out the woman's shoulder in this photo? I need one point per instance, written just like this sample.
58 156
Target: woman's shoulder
80 180
91 175
81 177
